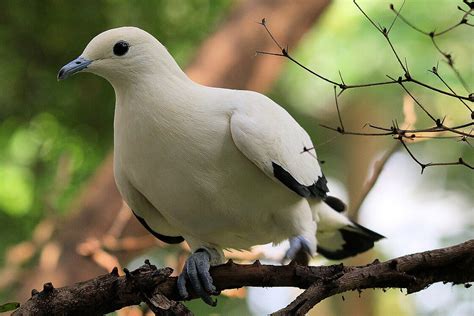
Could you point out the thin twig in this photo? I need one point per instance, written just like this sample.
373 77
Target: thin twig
431 164
338 111
434 70
434 34
395 18
408 78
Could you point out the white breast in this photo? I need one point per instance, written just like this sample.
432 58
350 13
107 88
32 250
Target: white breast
184 161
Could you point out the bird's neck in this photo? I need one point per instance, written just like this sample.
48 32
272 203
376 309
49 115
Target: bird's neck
165 72
156 96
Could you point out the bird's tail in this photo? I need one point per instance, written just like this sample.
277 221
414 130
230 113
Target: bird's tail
339 237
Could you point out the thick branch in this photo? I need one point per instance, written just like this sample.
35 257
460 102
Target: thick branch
412 272
110 292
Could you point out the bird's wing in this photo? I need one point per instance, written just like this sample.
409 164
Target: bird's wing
269 137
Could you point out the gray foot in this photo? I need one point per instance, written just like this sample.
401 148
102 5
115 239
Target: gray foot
196 273
297 245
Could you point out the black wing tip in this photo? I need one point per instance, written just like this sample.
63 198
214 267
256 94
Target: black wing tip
356 241
316 190
320 187
163 238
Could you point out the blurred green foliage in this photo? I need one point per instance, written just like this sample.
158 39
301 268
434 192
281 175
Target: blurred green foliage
9 307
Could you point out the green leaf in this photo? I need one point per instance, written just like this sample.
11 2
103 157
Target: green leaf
9 307
16 189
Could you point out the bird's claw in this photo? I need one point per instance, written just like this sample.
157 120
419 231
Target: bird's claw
298 244
196 272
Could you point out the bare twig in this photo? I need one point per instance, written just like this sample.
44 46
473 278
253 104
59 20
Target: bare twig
434 70
404 133
408 78
430 164
432 35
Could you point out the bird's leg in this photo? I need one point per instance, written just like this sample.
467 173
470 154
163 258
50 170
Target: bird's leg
196 273
298 245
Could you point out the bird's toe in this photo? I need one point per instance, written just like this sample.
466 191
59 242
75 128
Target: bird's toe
298 244
183 292
196 272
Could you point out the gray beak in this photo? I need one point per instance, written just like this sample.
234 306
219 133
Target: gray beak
74 66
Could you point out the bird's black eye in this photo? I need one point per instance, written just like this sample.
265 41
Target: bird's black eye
121 48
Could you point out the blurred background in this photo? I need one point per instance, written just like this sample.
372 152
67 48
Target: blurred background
62 219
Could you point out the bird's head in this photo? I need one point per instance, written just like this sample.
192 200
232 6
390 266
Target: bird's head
120 54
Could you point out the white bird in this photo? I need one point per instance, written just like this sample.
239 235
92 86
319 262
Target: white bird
219 168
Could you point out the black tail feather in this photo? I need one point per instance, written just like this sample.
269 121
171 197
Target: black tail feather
356 238
335 203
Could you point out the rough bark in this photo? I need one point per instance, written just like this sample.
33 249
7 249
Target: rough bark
227 58
110 292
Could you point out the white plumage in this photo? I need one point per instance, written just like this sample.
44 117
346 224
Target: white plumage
222 168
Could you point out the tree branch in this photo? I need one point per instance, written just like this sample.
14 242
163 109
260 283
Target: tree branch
111 292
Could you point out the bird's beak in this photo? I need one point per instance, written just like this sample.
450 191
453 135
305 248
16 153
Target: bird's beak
72 67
